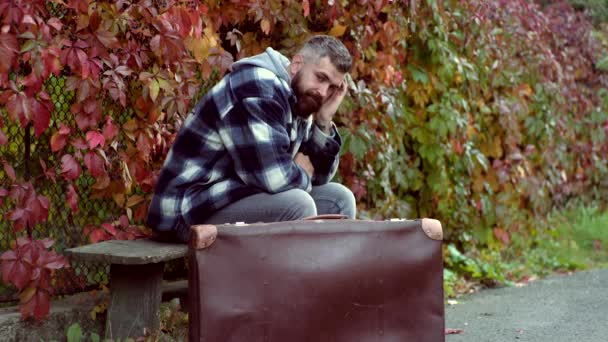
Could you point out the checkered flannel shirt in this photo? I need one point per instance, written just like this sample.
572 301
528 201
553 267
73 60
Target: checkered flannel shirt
240 139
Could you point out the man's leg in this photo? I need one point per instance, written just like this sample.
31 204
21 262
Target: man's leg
283 206
334 198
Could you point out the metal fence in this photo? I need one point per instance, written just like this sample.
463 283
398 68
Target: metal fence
25 151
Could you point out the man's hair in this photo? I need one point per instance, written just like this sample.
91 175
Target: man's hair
327 46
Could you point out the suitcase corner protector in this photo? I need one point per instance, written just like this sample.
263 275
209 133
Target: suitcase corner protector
432 228
202 235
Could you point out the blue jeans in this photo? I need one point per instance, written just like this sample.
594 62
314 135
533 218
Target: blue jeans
295 204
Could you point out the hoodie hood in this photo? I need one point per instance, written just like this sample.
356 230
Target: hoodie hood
269 59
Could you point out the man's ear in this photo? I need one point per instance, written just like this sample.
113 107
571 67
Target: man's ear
296 64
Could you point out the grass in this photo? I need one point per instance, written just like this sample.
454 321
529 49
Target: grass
570 239
583 233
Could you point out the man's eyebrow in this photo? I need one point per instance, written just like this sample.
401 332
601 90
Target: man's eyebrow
326 76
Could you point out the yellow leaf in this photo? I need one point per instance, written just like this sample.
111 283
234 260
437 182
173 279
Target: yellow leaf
101 182
338 30
154 89
27 295
524 89
134 200
265 25
199 47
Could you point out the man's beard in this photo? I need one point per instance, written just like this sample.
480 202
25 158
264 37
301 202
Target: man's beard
308 101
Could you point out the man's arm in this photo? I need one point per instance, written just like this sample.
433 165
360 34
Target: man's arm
258 143
324 145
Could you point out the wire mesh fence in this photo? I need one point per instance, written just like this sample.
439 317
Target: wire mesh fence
30 156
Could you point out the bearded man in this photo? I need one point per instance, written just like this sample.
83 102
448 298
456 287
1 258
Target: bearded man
260 146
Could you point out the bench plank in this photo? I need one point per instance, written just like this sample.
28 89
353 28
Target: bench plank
128 252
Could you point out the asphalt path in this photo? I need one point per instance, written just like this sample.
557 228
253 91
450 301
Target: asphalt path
558 308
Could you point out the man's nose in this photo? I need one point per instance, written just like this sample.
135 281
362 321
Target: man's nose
323 90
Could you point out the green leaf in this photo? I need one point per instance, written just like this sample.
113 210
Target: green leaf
418 74
74 333
602 64
95 337
358 147
154 89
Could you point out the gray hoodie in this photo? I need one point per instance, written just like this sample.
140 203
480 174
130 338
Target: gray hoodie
269 59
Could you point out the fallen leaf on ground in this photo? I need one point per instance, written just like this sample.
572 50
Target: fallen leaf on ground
450 331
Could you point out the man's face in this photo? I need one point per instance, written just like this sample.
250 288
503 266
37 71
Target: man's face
314 83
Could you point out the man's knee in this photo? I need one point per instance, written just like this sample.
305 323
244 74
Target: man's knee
297 204
335 198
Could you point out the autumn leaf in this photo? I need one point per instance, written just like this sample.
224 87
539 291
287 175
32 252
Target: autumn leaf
265 25
502 235
98 235
70 168
95 139
59 139
306 7
451 331
42 117
19 108
3 139
37 306
13 270
95 163
9 49
109 130
72 198
338 30
10 172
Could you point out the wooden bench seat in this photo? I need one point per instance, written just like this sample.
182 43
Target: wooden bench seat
136 281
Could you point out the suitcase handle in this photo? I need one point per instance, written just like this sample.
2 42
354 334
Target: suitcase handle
326 217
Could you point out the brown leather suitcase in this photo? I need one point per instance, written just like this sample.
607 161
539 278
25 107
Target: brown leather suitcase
317 281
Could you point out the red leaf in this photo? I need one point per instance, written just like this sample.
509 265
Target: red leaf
72 198
46 242
94 162
502 235
3 139
99 235
42 117
123 221
60 138
40 208
79 143
109 130
49 173
9 48
95 138
52 261
10 172
38 306
15 272
19 108
109 228
306 7
450 331
19 216
107 38
70 168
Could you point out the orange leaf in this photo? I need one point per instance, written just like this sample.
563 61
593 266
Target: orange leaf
265 25
338 30
502 235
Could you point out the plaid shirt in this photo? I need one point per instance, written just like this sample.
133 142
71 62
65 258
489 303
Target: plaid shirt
240 139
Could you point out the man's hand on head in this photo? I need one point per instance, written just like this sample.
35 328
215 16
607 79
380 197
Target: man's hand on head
304 162
329 108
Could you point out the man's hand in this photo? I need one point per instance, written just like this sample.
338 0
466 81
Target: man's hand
329 108
304 162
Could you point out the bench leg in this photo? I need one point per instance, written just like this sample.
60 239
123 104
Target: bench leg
135 296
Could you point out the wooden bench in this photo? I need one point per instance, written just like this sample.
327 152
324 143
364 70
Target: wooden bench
136 279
